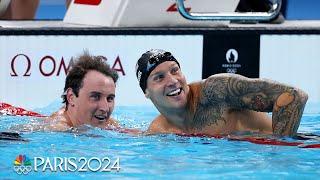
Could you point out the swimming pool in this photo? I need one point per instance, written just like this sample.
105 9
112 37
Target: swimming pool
160 156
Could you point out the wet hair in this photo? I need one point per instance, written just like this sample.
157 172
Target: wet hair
82 65
148 62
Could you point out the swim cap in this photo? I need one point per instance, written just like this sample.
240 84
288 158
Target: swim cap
148 62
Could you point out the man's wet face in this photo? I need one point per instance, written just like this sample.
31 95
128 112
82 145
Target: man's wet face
95 102
167 86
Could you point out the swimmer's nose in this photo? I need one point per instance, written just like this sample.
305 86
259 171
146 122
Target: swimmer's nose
104 106
172 80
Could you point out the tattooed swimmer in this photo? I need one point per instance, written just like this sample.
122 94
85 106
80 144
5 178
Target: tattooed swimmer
222 104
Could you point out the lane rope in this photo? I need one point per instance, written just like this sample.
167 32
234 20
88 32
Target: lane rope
7 109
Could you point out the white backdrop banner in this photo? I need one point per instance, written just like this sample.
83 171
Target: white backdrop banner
33 68
295 60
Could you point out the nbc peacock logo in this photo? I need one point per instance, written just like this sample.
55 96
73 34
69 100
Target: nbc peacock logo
22 164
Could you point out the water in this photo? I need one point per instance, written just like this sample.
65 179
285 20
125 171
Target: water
160 156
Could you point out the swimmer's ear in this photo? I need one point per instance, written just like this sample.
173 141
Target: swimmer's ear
147 94
70 96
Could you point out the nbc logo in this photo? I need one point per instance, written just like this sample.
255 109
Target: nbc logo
22 164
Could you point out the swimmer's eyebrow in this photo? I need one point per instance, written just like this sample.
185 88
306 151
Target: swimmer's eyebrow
112 95
99 93
95 93
157 73
161 72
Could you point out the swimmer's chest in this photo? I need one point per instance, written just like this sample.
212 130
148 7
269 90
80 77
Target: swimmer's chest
216 121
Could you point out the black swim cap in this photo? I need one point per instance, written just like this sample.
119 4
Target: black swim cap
148 62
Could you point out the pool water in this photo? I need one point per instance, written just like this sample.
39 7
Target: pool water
158 156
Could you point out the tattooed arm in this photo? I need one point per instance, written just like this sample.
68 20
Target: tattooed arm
286 103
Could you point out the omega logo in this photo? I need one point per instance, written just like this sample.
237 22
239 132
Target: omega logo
50 66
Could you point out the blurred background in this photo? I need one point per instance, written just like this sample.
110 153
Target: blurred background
51 9
292 9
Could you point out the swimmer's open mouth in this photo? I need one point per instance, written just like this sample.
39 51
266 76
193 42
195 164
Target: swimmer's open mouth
175 92
100 117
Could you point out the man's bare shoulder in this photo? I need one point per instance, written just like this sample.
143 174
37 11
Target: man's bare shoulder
211 101
195 87
57 113
57 121
225 75
112 124
219 88
158 125
221 80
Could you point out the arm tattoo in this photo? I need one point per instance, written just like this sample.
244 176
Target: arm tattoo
253 94
238 92
287 112
235 91
210 108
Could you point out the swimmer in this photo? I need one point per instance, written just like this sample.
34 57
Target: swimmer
89 95
222 104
